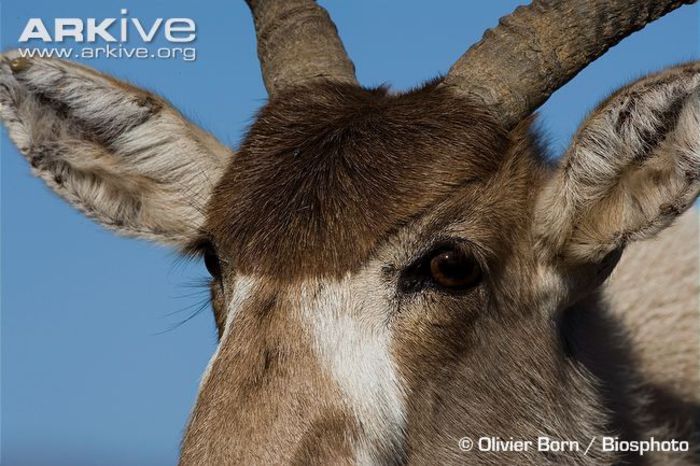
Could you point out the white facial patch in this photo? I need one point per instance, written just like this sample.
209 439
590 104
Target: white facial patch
349 328
241 292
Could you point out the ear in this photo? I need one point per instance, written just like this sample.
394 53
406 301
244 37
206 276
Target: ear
633 167
119 154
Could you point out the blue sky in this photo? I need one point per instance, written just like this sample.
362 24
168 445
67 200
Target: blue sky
91 372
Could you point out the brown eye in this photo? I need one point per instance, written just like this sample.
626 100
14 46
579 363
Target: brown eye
211 262
454 269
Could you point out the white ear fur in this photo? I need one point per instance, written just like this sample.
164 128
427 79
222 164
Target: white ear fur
121 155
633 167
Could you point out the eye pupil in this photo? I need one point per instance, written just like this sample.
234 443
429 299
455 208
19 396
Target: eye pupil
211 262
454 269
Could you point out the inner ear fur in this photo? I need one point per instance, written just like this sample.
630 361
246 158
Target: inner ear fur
121 155
632 168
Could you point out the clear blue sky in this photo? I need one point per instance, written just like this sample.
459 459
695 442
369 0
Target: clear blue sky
88 376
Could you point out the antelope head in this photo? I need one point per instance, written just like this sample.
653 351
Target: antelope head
390 272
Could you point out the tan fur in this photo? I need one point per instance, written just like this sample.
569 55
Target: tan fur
655 290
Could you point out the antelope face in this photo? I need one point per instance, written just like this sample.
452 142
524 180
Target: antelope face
359 244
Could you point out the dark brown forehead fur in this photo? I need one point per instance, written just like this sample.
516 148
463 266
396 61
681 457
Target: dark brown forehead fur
326 172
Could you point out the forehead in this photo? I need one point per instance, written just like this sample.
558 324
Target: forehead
325 173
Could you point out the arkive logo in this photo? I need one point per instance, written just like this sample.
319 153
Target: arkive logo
124 37
111 30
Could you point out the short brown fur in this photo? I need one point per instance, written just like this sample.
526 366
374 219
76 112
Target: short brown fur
326 172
